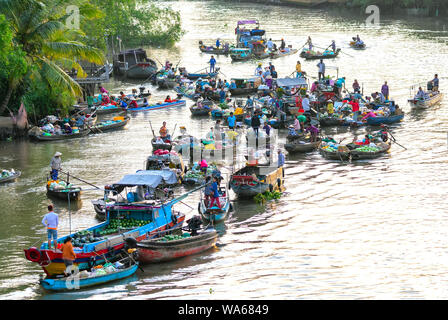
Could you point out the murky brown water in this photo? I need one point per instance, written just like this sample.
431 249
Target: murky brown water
367 230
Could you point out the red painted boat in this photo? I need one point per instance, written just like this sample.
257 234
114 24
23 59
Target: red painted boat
150 251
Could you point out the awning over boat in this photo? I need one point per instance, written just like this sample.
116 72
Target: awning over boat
291 82
151 178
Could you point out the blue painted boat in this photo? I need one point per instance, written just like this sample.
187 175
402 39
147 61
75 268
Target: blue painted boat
74 282
384 120
215 214
177 103
195 76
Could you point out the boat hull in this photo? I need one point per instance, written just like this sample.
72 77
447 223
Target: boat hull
157 251
300 148
179 103
11 178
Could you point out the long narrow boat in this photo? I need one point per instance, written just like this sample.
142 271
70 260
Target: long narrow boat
55 137
301 146
344 153
150 251
283 53
12 177
110 108
75 281
177 103
107 239
189 94
166 145
245 185
202 108
357 46
373 121
212 49
432 99
64 193
310 56
215 214
105 126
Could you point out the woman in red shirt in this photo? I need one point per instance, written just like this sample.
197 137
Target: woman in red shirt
355 109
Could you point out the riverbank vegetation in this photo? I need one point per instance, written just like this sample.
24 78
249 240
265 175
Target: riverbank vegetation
40 41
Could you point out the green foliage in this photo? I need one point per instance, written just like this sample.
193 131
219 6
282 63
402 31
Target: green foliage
267 196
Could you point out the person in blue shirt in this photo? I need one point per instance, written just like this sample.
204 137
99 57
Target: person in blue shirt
435 83
231 120
215 196
212 64
222 95
281 158
217 43
249 102
233 85
358 96
267 128
339 84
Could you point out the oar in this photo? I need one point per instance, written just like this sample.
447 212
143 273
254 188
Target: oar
347 54
72 176
222 73
394 140
174 130
153 134
200 70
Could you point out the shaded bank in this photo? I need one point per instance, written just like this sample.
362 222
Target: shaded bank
410 7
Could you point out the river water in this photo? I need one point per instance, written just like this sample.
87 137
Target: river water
365 230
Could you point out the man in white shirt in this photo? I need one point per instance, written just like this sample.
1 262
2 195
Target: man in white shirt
321 66
270 44
306 103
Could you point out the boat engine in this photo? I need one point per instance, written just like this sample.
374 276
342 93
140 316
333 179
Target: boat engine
194 224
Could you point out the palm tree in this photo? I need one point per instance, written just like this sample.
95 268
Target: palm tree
50 48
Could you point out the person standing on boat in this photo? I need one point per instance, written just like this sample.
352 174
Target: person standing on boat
321 66
356 86
306 104
215 196
283 45
270 44
218 43
280 158
51 221
68 255
309 43
298 69
133 103
385 90
212 64
255 123
333 46
231 121
435 83
226 47
163 131
355 109
340 82
258 69
56 165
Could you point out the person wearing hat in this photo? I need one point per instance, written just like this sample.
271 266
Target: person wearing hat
168 99
258 69
283 45
56 165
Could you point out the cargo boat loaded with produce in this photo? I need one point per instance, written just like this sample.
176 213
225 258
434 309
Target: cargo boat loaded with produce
139 220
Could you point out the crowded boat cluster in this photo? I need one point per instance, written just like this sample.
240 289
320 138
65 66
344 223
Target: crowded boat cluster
247 116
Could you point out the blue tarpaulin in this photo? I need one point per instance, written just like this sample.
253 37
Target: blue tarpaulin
151 178
291 82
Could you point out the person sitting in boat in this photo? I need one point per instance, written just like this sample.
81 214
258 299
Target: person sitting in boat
168 99
103 91
81 120
282 45
421 95
168 65
314 86
398 110
133 103
145 102
363 142
67 128
203 166
123 96
291 129
369 114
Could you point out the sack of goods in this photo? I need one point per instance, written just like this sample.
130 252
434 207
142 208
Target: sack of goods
6 173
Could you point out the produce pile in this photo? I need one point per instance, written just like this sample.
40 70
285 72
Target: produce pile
267 196
115 224
367 149
7 173
170 237
101 270
59 185
107 123
195 172
82 238
331 147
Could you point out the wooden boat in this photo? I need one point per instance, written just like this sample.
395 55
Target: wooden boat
12 177
168 145
212 49
75 282
309 56
81 133
376 121
301 146
170 161
202 108
268 178
107 240
100 209
245 86
150 251
283 53
100 110
432 99
215 214
183 92
345 153
163 82
104 126
161 105
134 64
357 46
63 194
